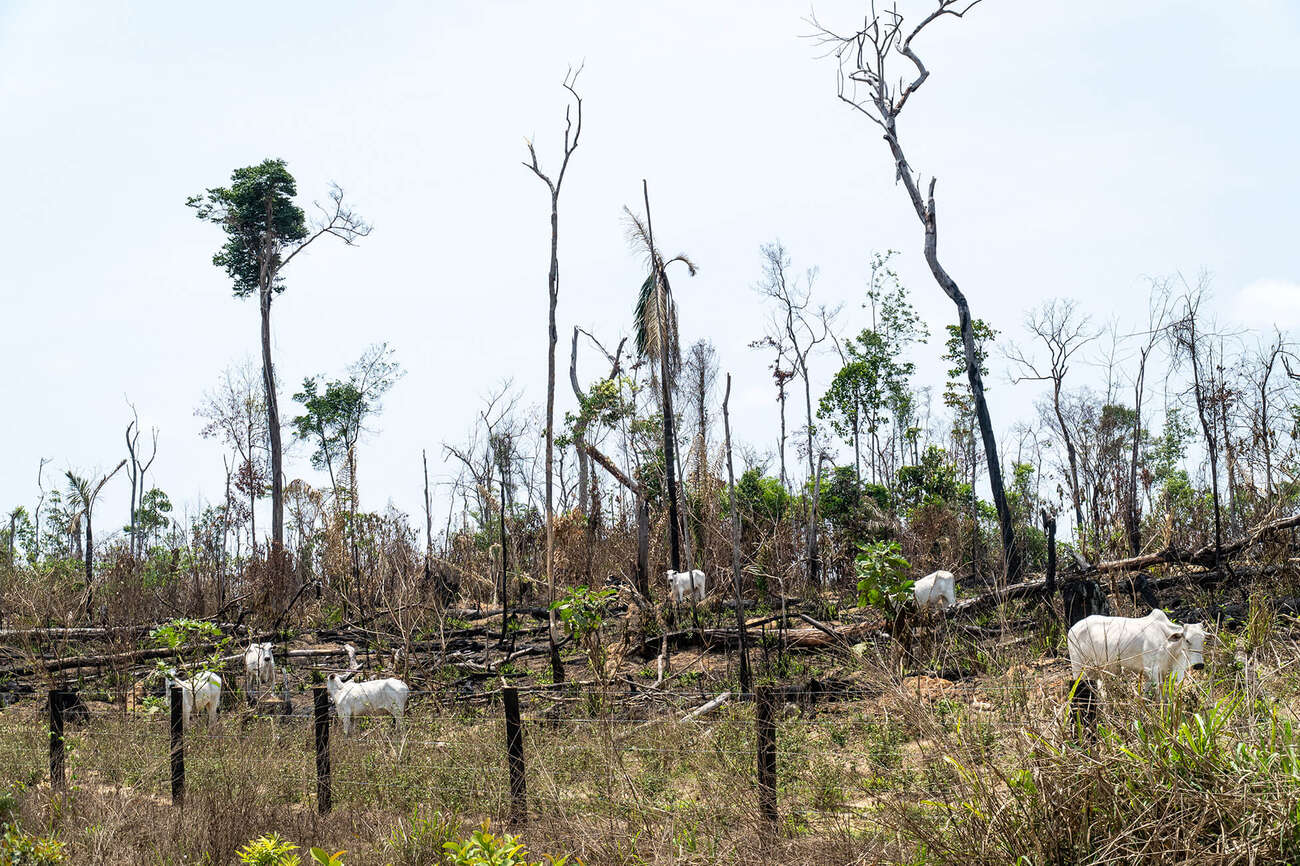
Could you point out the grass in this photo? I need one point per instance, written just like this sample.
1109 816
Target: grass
991 770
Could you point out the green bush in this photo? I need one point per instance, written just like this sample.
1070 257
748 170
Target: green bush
484 848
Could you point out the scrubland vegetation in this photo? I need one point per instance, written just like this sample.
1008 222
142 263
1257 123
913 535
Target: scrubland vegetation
1168 480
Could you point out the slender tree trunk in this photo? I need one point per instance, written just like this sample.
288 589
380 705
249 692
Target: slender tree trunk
90 559
814 474
428 522
1134 512
925 211
579 429
780 399
665 383
735 545
1073 459
273 425
553 291
505 580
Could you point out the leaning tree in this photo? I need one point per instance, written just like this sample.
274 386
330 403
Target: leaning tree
265 229
868 82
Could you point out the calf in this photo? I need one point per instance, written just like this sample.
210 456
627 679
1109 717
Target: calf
200 693
259 667
936 590
684 583
1151 645
371 698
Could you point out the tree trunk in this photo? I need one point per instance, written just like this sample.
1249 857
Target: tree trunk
1049 526
814 474
1075 495
579 428
273 426
1133 512
665 384
505 580
553 291
428 523
925 211
735 545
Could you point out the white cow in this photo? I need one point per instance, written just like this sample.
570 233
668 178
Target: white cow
1150 645
259 666
684 583
200 693
371 698
936 590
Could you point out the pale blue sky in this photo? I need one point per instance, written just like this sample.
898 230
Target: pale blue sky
1079 147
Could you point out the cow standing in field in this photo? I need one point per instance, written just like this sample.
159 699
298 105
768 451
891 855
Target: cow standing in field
935 591
684 583
200 693
259 668
1151 645
370 698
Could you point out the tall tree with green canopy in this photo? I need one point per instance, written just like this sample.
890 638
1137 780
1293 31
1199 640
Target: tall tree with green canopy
265 229
334 419
656 341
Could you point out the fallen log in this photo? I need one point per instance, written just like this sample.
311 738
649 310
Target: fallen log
110 659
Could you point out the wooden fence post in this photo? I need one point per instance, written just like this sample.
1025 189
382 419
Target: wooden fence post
766 731
515 756
59 700
321 713
178 745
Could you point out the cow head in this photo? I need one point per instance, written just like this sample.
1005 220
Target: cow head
1194 645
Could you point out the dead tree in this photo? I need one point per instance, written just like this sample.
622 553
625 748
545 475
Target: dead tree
572 132
1063 334
1190 343
135 471
865 61
1157 323
800 329
735 543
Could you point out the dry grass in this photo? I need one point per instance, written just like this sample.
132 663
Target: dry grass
992 769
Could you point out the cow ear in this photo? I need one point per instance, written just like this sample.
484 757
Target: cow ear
1175 637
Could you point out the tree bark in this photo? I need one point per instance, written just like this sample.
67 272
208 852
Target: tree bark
579 429
665 383
925 211
273 424
735 544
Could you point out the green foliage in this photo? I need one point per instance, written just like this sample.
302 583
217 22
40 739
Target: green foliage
269 850
258 214
483 848
185 638
18 848
333 419
152 513
933 482
321 857
882 577
956 392
759 497
421 840
582 609
875 377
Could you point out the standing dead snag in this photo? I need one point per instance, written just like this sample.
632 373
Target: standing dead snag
864 62
1063 334
735 542
572 131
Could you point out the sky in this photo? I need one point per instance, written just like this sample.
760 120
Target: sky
1081 149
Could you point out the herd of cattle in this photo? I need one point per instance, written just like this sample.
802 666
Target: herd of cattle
1152 645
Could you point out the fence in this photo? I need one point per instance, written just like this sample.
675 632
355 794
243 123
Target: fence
754 763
